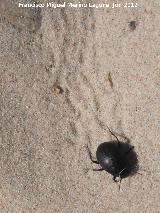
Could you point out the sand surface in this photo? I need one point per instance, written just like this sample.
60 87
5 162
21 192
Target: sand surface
65 75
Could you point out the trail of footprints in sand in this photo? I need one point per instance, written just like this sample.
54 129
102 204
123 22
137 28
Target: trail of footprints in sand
84 89
84 100
85 93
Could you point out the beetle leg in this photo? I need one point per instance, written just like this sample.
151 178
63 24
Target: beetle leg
114 178
120 184
100 169
94 161
90 156
114 136
121 135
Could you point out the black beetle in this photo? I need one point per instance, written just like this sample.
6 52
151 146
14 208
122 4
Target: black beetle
117 158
